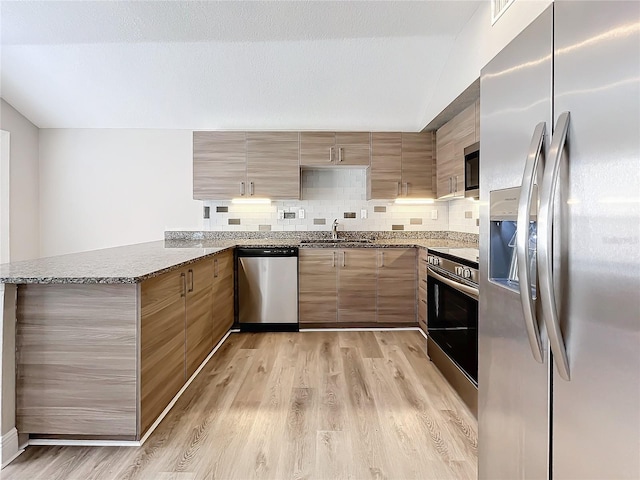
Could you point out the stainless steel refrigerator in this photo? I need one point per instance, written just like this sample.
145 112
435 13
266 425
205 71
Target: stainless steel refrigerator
559 310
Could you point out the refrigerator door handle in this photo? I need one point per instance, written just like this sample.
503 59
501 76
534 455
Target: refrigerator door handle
545 257
522 239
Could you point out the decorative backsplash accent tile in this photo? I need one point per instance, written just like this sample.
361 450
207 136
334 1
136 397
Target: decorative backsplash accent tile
319 221
468 214
264 228
397 227
234 221
289 215
349 214
205 213
327 194
415 221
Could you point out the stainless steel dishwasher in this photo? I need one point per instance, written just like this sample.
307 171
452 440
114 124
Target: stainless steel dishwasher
267 289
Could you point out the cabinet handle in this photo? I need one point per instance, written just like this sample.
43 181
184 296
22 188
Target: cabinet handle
340 154
423 301
190 280
241 188
456 185
333 261
399 189
251 188
382 259
344 259
330 154
450 185
215 268
406 189
184 284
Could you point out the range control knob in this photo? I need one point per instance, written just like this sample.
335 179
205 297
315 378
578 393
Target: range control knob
435 261
459 271
466 273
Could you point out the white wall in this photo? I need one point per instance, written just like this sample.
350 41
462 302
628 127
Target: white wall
102 188
24 204
475 46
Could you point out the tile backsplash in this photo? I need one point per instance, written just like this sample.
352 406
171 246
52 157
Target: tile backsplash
328 194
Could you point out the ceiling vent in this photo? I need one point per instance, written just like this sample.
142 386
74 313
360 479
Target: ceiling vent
498 7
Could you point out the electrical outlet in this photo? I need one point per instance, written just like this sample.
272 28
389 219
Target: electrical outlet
434 214
280 214
301 213
363 213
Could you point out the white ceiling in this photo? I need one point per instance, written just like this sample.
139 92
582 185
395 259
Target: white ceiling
363 65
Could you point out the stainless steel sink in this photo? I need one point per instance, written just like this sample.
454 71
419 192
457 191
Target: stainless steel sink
339 240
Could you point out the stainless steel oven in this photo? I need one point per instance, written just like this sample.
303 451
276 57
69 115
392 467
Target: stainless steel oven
452 312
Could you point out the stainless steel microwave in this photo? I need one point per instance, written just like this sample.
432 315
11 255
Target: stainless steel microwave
472 170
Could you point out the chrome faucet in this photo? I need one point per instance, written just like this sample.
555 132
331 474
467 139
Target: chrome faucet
334 230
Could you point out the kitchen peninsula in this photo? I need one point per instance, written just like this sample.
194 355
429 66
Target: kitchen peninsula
106 339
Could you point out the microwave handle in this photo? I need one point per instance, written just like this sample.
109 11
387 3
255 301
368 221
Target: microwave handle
522 239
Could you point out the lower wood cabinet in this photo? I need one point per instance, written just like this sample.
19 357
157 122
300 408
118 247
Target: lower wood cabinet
422 289
85 351
357 286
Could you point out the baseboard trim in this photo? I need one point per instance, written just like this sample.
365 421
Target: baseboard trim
9 448
132 443
360 329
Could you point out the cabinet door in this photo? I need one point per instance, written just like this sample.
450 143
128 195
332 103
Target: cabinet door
422 289
445 159
162 341
219 165
272 165
353 148
465 135
222 318
317 270
385 175
397 285
199 341
357 285
317 148
418 164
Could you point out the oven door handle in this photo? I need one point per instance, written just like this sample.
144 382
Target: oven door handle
471 291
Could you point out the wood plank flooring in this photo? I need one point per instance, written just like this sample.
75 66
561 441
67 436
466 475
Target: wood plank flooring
308 405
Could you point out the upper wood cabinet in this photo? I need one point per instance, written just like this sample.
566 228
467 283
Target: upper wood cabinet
219 165
402 165
245 164
396 298
330 148
451 140
272 165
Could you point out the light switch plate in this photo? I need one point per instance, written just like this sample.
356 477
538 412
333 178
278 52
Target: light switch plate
363 213
301 213
434 214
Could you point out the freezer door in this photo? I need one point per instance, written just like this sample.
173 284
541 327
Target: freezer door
596 415
513 391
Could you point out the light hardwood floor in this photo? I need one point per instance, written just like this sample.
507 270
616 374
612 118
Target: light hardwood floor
316 405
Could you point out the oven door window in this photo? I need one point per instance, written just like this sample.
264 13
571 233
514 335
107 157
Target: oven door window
453 325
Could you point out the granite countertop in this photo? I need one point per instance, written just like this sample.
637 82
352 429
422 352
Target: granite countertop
136 263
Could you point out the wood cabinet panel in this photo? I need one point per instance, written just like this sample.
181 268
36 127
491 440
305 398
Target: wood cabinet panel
357 285
418 165
219 164
223 305
198 335
162 343
385 175
316 148
318 281
396 299
272 165
353 148
76 360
